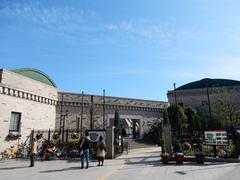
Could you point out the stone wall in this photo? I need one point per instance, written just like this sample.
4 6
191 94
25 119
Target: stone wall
41 107
145 111
34 100
197 98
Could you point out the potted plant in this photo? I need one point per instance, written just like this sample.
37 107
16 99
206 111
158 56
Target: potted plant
12 136
56 136
178 153
39 136
165 158
75 136
179 158
199 157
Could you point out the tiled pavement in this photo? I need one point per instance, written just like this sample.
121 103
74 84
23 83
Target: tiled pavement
138 164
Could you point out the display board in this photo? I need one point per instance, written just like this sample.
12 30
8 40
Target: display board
216 137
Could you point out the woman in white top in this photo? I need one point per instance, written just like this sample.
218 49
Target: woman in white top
101 150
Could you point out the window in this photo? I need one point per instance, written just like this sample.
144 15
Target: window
15 121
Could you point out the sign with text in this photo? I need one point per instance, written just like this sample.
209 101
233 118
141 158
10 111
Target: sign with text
217 138
95 134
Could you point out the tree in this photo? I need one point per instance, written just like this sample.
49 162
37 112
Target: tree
178 119
165 118
226 111
117 122
227 116
194 122
116 130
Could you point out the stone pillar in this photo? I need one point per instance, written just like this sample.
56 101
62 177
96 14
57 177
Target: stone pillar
168 138
110 142
140 128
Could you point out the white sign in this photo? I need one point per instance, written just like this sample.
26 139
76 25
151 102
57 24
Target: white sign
94 135
218 138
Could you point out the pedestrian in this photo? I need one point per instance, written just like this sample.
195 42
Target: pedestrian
101 147
84 147
33 151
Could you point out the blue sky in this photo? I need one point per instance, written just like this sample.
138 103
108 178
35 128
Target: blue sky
131 48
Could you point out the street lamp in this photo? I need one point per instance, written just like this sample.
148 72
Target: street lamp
210 118
63 117
179 132
81 112
209 107
104 109
175 95
91 113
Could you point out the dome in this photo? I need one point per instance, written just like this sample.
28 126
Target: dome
210 83
35 75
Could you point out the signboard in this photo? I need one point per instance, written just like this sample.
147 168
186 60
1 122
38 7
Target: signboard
217 138
95 134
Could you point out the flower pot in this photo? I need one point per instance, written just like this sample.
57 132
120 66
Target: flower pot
179 158
199 158
165 159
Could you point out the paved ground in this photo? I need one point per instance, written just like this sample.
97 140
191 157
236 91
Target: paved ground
139 164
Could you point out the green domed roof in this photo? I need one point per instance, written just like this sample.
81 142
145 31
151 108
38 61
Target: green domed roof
210 83
36 75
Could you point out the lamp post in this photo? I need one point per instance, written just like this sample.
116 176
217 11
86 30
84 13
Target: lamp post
175 95
63 115
61 120
210 118
209 108
104 123
176 107
91 113
81 113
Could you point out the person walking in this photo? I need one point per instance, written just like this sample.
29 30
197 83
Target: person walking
101 146
33 151
84 147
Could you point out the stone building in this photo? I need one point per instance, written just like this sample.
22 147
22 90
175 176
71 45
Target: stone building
197 94
29 99
25 104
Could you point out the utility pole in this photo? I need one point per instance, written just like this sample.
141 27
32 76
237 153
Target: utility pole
91 113
61 119
175 95
104 123
64 115
210 118
178 132
209 108
82 112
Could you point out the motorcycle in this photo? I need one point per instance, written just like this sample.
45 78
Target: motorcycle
50 153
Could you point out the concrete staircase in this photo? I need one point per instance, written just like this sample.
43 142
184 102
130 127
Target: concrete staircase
137 143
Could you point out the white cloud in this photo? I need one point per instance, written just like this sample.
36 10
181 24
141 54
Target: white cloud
147 33
129 72
217 67
124 26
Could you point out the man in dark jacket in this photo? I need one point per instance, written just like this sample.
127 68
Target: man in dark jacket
85 146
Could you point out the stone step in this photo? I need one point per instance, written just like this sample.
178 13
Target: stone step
136 143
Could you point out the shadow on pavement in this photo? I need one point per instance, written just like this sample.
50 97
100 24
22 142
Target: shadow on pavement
207 168
12 168
61 170
138 157
64 169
